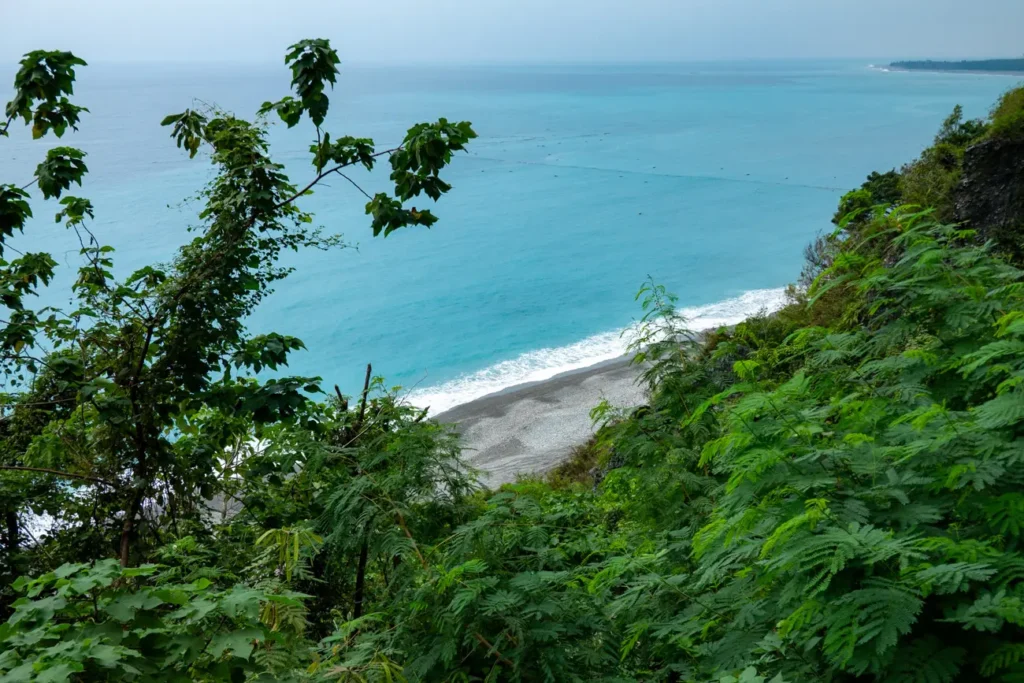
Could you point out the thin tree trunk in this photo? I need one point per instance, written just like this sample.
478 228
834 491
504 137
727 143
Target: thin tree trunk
362 402
11 521
357 610
364 550
128 527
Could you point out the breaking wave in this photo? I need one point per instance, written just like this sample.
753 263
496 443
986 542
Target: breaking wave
541 364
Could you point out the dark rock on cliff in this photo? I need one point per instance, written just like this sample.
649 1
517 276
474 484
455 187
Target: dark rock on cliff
990 198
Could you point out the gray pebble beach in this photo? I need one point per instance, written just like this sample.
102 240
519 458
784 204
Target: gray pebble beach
532 427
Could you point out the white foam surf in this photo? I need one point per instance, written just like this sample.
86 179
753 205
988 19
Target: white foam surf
542 364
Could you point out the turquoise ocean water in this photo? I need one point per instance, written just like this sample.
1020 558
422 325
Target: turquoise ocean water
708 177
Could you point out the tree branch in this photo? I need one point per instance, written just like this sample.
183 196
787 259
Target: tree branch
354 184
58 473
326 173
319 144
362 401
493 650
185 285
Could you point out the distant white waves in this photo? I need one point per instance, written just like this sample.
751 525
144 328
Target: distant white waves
543 364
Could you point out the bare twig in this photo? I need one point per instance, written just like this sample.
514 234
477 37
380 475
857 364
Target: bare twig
326 173
491 649
319 158
26 404
355 185
58 473
362 401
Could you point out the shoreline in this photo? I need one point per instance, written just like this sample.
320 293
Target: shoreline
531 427
553 362
525 389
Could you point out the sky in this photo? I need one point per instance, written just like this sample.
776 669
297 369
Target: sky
488 31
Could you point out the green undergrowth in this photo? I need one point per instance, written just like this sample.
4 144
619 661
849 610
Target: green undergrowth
581 467
1008 116
799 502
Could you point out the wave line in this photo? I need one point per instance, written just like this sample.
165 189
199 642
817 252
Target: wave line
545 363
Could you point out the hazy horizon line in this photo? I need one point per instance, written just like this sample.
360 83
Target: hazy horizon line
869 60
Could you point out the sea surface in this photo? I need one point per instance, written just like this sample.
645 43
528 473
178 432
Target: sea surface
585 180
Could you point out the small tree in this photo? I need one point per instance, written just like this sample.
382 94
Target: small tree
100 394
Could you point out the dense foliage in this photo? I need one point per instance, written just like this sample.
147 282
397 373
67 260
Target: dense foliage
133 418
828 493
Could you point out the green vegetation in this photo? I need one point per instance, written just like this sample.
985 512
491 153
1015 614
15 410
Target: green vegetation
1008 116
933 178
997 65
241 513
829 493
936 179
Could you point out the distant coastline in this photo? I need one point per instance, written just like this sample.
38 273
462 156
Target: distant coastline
1006 67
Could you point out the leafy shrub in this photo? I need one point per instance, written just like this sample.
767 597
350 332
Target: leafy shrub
104 622
956 132
855 489
931 180
880 189
1008 116
580 467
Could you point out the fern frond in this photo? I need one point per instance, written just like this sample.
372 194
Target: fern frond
1003 658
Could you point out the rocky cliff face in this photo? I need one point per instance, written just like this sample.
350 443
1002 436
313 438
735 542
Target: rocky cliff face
990 197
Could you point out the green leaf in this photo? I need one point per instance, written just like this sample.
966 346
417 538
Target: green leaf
314 66
239 643
14 211
1002 411
41 87
60 672
66 570
124 606
189 130
62 167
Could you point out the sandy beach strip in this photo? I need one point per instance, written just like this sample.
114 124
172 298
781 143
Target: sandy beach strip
532 427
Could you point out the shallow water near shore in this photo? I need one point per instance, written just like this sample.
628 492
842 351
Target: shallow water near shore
709 178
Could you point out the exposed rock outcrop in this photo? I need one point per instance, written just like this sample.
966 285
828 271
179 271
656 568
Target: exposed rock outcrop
990 197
